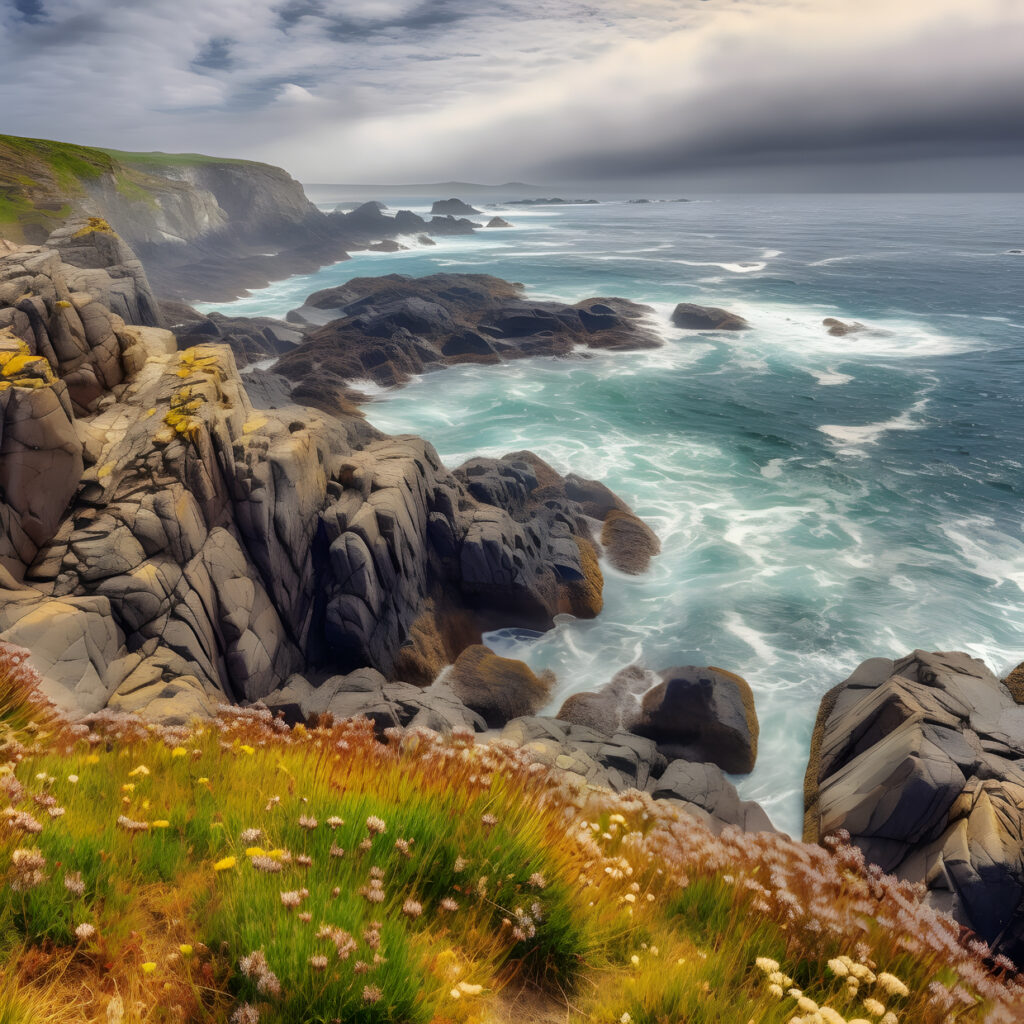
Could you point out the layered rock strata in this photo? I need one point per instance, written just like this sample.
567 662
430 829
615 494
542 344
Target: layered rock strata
920 761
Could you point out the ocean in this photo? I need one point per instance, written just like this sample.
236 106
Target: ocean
820 500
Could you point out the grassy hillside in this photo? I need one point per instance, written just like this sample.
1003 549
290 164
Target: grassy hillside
42 182
244 871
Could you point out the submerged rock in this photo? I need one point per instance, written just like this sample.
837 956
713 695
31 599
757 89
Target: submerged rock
707 318
920 760
628 542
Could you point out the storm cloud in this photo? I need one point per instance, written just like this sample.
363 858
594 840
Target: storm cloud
738 93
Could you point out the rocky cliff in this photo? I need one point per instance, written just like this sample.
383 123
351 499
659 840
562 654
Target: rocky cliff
205 227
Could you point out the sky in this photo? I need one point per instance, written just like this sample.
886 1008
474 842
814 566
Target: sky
704 94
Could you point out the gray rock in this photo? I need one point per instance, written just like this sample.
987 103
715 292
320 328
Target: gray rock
692 317
919 760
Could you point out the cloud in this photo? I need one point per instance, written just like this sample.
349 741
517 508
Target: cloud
602 91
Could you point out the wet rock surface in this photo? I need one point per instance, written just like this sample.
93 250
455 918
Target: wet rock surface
920 760
692 317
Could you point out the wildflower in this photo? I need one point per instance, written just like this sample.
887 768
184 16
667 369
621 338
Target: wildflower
272 803
251 836
72 779
318 962
375 825
775 991
23 821
625 1019
460 864
185 949
412 909
224 864
874 1007
84 932
266 864
830 1016
74 884
246 1014
891 984
372 936
365 846
336 891
488 820
179 752
289 900
336 851
246 749
889 1018
303 860
372 994
449 905
767 965
334 821
806 1005
635 960
148 967
305 918
202 780
469 990
838 968
402 846
307 822
93 759
537 880
140 771
161 823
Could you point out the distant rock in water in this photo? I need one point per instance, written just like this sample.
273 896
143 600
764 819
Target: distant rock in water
498 222
839 329
707 318
551 202
388 245
920 760
388 329
425 240
1015 252
445 207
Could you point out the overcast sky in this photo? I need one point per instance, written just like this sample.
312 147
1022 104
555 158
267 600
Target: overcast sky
703 93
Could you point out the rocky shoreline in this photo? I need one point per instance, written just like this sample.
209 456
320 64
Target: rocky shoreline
177 534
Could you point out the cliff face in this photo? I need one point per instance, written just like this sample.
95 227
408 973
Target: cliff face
150 198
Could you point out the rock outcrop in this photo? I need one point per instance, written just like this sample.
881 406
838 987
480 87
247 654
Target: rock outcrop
175 534
920 761
498 222
498 689
707 318
456 207
387 329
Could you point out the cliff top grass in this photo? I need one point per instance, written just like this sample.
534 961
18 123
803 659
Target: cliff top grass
42 180
241 870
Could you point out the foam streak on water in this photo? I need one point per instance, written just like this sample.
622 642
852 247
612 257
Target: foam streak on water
820 500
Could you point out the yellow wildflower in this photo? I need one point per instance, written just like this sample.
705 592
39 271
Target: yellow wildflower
138 770
161 823
276 854
128 787
185 949
246 749
202 780
148 967
255 851
179 752
224 864
93 759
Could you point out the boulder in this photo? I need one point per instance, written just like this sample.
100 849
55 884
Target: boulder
498 222
615 707
628 542
705 787
707 318
499 689
919 760
702 714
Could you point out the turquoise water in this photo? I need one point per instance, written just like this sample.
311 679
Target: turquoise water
820 500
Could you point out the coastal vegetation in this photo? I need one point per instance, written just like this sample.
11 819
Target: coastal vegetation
239 869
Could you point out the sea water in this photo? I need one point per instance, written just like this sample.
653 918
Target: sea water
820 500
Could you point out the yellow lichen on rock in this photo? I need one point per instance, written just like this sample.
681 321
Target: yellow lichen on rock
19 367
95 225
180 416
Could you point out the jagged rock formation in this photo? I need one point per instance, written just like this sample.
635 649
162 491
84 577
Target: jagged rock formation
920 760
457 207
387 329
174 536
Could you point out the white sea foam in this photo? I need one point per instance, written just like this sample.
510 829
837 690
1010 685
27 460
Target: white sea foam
733 268
851 440
830 378
988 551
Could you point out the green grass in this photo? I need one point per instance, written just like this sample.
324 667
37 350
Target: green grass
159 159
490 873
